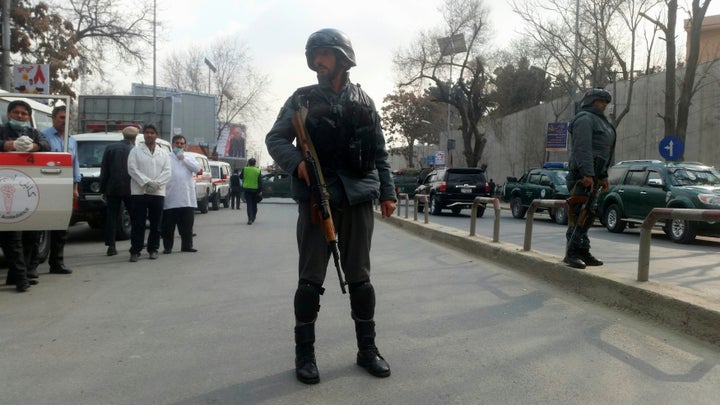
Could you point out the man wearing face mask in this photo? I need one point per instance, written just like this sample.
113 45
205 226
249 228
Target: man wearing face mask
180 199
19 136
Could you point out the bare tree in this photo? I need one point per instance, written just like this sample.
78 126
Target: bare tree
237 85
456 76
676 118
590 43
107 29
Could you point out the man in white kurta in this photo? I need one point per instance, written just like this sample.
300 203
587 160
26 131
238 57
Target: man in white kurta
149 169
180 199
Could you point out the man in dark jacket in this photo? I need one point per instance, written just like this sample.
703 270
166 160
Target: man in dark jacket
18 135
235 189
345 129
592 145
115 184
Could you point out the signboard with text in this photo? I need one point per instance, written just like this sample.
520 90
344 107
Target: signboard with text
556 139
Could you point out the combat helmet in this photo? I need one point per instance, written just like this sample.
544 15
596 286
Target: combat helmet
594 94
329 38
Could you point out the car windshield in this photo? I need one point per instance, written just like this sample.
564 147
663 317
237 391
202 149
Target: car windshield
90 153
215 172
701 176
559 176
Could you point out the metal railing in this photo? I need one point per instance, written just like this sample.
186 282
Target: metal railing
496 208
426 209
686 214
404 198
534 205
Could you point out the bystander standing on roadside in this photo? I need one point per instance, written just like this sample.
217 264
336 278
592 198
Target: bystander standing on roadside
235 190
150 170
180 199
18 136
115 184
252 188
56 138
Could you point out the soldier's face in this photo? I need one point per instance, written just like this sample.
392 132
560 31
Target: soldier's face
324 62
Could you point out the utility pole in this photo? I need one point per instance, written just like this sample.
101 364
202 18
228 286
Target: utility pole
6 71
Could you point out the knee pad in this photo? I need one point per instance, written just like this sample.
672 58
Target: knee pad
362 300
307 302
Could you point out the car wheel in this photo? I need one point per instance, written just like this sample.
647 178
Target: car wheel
561 216
124 225
480 211
203 205
456 210
216 202
435 205
612 220
680 231
518 211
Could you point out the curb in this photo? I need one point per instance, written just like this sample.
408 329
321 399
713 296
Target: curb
690 312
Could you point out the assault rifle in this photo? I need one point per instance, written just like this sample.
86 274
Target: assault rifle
590 200
320 197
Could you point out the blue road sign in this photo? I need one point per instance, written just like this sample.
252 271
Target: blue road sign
671 148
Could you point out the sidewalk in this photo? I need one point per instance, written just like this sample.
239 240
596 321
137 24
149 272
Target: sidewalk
669 297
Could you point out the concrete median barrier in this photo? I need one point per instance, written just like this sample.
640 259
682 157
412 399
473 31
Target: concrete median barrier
690 312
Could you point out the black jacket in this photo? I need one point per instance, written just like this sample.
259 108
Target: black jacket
114 176
9 134
325 109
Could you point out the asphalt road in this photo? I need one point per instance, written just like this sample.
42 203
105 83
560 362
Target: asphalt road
216 327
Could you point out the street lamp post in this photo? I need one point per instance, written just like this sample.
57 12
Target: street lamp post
211 68
449 46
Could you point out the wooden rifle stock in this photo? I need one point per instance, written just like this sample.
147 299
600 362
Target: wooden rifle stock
320 197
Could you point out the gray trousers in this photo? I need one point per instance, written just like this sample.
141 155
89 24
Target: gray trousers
354 225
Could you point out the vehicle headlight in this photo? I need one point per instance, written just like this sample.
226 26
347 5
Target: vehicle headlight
95 186
709 199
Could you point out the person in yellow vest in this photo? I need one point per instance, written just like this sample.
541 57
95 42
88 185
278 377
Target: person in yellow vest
252 187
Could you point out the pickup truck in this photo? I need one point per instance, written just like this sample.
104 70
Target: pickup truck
547 182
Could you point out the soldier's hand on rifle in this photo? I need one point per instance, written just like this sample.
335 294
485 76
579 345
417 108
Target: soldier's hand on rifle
588 182
387 208
302 173
604 184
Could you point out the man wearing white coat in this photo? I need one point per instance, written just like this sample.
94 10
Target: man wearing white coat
180 199
149 169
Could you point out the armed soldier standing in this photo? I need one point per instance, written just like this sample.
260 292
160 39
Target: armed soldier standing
592 145
345 129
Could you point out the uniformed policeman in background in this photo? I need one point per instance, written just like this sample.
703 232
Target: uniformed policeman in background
592 146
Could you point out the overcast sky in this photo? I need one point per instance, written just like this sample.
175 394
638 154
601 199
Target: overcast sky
276 30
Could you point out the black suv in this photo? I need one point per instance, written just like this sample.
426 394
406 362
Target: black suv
638 186
454 189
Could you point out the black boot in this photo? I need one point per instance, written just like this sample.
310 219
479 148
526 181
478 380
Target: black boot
573 259
589 259
305 366
368 356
